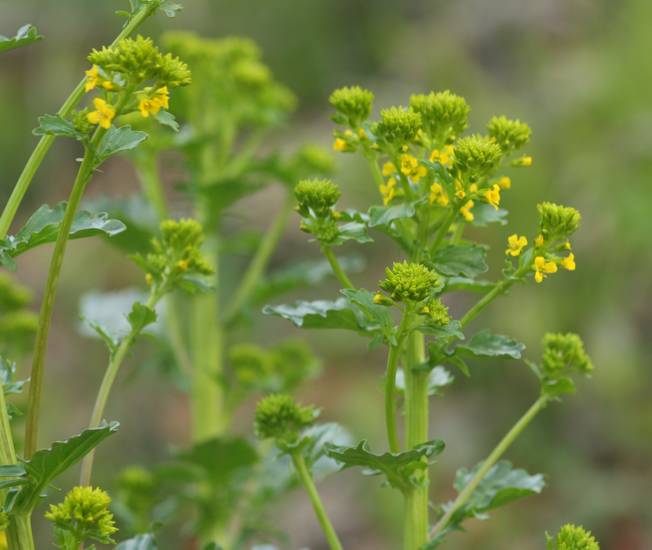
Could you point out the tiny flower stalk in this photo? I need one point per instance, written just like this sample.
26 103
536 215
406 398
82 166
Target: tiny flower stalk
145 10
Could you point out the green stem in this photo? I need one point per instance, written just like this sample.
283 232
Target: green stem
489 462
19 532
147 170
443 229
44 144
375 171
7 449
336 267
309 484
45 317
416 429
260 260
459 231
102 398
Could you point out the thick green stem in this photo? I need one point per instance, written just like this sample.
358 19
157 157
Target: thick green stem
260 260
45 316
207 398
443 229
322 517
336 267
489 462
7 449
19 532
44 144
102 398
416 430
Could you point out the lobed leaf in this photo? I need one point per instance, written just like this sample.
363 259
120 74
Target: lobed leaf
322 314
487 344
56 125
117 140
461 260
25 35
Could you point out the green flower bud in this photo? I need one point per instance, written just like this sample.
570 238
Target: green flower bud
563 354
311 160
317 196
279 417
476 156
353 105
557 222
509 134
444 114
573 537
398 126
138 60
84 514
437 311
250 363
409 282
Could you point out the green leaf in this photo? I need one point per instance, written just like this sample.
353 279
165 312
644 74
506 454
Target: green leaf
47 464
56 125
170 8
403 471
374 317
304 274
117 140
27 34
140 316
384 216
502 485
465 260
315 444
321 314
7 374
484 214
441 332
352 231
166 118
140 542
486 344
43 227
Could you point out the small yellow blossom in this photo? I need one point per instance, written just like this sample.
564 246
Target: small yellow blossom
473 188
152 105
543 268
438 195
149 279
515 244
92 78
444 156
162 96
410 167
103 113
339 145
568 262
492 196
538 242
182 265
389 169
505 182
459 190
525 160
388 190
378 298
466 211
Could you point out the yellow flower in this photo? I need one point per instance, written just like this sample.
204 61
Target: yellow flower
182 265
151 105
568 262
505 182
543 268
473 188
525 160
492 196
149 279
103 113
538 242
444 157
567 245
466 211
389 169
362 134
408 164
162 97
459 190
438 195
388 190
92 78
515 244
378 298
339 145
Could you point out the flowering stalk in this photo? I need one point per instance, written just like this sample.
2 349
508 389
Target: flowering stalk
46 141
338 271
489 462
19 532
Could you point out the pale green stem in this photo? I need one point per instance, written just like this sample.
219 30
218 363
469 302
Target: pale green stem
416 429
260 260
320 512
146 165
45 316
115 362
19 532
7 449
489 462
443 229
459 231
336 267
44 144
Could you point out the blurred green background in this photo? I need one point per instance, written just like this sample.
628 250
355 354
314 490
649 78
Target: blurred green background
579 71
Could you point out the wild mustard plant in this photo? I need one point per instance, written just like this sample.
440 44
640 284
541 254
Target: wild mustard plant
213 102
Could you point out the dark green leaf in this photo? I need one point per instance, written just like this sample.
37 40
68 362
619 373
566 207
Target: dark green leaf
140 316
56 125
43 227
27 34
484 214
402 471
373 317
441 332
140 542
486 344
318 314
383 216
117 140
353 231
47 464
465 260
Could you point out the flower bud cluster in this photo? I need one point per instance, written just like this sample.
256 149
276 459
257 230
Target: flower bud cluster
352 105
509 134
410 282
444 115
563 354
280 418
476 156
573 537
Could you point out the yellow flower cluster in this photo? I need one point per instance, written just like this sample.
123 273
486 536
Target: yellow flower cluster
410 167
465 210
492 196
443 156
438 195
515 244
542 266
151 104
95 79
103 113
